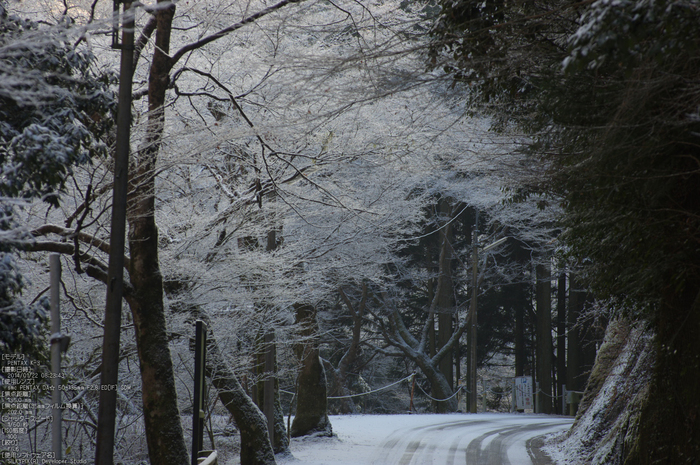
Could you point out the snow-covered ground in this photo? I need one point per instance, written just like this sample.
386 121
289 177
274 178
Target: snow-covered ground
425 439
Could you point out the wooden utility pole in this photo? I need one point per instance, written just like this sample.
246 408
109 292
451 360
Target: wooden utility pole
104 454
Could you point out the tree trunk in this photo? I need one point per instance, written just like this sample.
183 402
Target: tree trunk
520 296
520 352
561 340
439 387
255 442
281 444
337 386
164 434
347 361
279 439
415 351
544 337
312 404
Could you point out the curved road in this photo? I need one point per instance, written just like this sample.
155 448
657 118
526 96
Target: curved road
429 439
471 440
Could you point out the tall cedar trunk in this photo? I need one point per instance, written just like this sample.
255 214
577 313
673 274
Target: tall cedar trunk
670 420
544 338
255 442
312 405
164 434
520 341
584 337
561 340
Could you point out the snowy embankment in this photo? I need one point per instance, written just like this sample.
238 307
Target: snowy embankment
425 439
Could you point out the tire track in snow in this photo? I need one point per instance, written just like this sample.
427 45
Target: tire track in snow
474 450
476 442
496 452
414 442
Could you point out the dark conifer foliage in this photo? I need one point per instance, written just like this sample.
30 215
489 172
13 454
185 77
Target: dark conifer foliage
610 93
56 109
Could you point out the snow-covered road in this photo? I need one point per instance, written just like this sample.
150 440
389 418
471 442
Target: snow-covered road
489 439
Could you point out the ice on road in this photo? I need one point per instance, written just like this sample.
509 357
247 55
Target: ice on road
477 439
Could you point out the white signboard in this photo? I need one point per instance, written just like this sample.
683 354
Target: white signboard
523 393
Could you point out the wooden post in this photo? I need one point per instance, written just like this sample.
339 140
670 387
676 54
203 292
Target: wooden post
200 357
411 408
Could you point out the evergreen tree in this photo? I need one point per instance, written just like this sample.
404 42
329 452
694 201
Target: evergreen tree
609 92
55 111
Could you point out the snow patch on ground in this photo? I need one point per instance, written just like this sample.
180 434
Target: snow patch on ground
357 439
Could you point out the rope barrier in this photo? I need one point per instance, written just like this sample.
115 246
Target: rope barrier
557 396
362 393
540 391
441 400
461 388
373 391
499 393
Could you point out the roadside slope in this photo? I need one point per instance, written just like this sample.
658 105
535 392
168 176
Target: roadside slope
607 423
